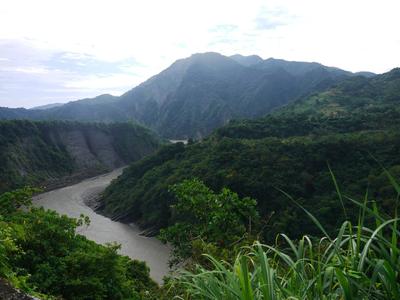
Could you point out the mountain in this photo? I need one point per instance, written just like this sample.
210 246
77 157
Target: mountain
247 61
298 68
365 74
102 108
352 126
200 93
47 106
352 105
16 113
53 153
352 96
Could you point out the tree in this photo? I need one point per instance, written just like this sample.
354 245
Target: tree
199 214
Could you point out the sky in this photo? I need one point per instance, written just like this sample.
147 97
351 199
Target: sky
62 50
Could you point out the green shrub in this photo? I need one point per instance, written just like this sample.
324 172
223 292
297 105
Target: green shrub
41 253
361 262
204 220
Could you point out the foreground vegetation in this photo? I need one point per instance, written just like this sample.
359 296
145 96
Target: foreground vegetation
362 261
42 253
207 222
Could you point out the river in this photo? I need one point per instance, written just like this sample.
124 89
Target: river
69 201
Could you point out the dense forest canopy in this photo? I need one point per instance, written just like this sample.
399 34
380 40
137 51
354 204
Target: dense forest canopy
289 150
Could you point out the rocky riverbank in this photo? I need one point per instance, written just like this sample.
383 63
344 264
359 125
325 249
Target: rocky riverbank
8 292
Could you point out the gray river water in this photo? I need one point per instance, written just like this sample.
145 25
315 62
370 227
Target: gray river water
69 201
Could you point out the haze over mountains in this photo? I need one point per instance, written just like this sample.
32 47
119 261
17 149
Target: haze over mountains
47 106
198 94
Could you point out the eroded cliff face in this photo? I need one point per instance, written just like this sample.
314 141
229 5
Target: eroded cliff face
91 149
52 154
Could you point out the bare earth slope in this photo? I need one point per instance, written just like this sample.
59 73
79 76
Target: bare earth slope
55 154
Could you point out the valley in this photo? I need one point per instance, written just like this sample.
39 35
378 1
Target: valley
226 160
199 150
70 201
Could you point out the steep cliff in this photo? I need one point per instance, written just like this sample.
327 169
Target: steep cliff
53 153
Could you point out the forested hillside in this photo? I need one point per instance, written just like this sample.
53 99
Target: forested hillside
197 94
42 254
353 127
50 153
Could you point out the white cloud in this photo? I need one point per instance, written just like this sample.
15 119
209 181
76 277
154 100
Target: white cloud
111 81
84 39
31 70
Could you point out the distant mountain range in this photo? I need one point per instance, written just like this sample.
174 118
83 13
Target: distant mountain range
198 94
52 105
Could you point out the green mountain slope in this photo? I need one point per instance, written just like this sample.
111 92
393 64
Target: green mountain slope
195 95
352 105
289 150
54 152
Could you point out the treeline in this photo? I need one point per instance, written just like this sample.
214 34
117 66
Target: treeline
33 153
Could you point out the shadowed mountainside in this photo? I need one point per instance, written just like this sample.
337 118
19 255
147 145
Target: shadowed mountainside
195 95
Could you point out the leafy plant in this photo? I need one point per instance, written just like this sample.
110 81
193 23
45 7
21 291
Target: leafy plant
41 253
360 262
202 217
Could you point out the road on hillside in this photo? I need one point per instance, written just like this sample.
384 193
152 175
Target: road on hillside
70 201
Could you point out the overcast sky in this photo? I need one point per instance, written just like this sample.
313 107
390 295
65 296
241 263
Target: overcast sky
63 50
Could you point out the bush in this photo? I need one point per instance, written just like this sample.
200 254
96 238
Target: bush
361 262
40 251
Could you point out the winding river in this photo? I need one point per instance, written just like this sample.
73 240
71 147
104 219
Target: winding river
70 201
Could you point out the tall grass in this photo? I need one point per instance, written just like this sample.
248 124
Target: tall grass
360 262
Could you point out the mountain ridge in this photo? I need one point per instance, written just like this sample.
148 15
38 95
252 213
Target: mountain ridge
197 94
